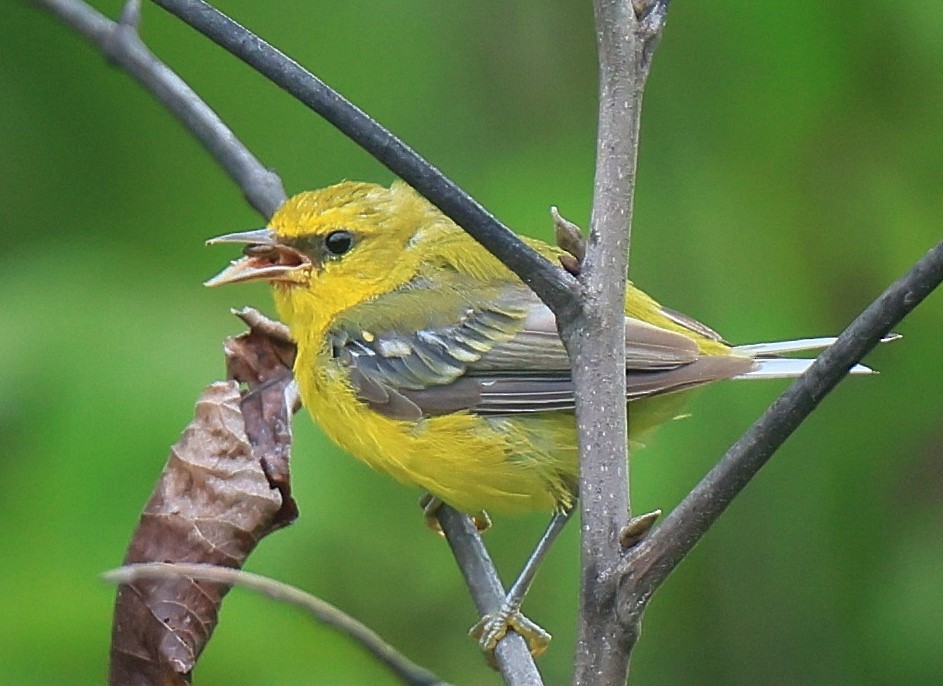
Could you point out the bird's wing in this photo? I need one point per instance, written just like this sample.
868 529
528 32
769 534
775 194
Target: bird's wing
427 350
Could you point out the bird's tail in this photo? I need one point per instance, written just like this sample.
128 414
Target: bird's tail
769 364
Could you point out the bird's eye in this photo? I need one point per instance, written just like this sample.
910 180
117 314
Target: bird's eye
339 242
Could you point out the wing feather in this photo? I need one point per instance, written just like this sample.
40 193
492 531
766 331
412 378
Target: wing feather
494 352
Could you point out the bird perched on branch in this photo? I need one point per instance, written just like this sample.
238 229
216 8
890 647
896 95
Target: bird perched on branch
421 354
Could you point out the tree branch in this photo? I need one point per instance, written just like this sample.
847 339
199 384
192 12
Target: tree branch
405 669
649 564
625 37
512 656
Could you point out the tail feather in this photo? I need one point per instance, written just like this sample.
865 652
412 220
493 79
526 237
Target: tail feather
770 366
796 346
784 368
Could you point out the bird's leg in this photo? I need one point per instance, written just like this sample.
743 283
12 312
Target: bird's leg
492 627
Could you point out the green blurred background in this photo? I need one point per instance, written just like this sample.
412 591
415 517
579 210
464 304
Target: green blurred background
790 169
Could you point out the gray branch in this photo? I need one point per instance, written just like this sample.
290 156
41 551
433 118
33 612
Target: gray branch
625 38
320 610
512 656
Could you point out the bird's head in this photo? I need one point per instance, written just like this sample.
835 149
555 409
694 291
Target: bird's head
324 251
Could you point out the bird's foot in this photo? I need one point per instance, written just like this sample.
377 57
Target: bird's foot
491 628
430 506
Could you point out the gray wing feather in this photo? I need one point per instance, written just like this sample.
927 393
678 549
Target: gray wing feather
536 346
501 355
504 395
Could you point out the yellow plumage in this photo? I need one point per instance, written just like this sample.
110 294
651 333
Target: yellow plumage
425 357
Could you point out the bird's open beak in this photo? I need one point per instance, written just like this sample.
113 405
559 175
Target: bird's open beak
264 259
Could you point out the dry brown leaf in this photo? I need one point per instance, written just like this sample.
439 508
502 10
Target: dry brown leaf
225 486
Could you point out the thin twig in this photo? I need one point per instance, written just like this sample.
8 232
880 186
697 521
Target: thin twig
650 563
325 613
120 42
551 283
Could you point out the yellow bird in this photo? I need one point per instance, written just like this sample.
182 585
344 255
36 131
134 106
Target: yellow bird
424 356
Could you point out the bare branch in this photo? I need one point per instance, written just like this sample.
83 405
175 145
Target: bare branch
512 656
322 611
649 564
554 286
120 42
596 342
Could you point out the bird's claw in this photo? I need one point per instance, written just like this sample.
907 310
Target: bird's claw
430 511
491 628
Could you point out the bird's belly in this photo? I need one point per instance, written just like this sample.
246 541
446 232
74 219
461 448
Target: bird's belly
471 462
